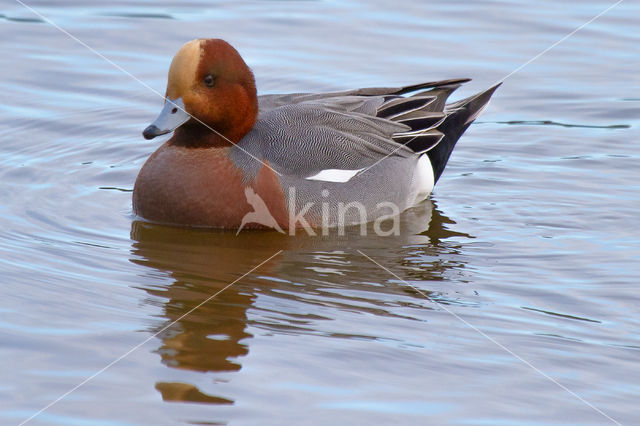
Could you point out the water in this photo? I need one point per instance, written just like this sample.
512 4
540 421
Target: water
528 246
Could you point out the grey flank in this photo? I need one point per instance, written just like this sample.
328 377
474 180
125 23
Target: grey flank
302 134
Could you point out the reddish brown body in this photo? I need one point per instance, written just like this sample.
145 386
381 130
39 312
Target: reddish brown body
201 187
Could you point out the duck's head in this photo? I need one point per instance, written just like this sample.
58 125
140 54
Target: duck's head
209 87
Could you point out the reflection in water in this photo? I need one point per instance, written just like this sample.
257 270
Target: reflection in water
320 271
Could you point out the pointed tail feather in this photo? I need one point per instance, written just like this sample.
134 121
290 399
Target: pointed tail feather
460 115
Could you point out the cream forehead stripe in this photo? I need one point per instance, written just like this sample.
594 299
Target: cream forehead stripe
182 71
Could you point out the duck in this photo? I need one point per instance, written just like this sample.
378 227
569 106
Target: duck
237 160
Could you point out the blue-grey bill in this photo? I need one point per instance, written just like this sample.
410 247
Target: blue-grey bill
172 116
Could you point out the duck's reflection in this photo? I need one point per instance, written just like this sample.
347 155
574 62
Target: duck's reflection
214 337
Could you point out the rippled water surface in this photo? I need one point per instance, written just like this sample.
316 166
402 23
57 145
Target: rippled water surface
511 295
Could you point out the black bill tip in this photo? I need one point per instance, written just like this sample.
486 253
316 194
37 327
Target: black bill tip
152 131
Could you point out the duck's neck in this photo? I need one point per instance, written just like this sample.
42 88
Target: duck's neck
196 135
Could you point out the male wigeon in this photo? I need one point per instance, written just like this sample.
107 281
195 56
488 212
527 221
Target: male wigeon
286 161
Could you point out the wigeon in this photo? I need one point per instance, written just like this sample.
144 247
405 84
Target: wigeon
287 161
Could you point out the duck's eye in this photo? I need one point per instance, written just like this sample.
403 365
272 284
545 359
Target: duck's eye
209 81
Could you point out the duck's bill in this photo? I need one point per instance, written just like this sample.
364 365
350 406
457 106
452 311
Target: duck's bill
172 116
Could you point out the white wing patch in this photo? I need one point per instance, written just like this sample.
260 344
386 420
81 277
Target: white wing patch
335 175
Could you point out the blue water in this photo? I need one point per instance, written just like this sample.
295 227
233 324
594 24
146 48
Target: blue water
514 298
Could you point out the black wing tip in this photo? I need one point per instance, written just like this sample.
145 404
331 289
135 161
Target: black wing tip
395 91
431 84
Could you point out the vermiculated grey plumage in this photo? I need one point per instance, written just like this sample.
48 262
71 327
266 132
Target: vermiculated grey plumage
378 130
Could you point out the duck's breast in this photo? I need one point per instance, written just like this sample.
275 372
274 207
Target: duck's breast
200 187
